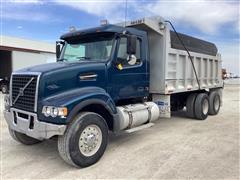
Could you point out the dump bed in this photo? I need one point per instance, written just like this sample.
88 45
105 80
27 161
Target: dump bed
171 70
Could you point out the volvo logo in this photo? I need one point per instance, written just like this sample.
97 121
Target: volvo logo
21 90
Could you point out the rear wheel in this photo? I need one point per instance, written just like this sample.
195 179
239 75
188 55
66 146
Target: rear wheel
190 105
22 138
201 106
85 140
214 102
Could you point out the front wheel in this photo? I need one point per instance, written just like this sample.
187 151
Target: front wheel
85 140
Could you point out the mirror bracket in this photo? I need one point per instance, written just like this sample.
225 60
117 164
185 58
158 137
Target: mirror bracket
59 45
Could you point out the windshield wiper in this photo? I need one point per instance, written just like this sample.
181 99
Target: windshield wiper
62 59
83 57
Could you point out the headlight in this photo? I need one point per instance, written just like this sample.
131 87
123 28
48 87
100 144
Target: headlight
48 111
54 111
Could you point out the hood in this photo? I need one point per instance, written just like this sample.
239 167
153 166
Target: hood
49 67
64 76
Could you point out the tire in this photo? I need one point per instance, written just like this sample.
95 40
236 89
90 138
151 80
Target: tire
190 105
76 140
4 89
22 138
201 106
214 103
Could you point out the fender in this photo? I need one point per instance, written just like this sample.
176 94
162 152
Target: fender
75 100
107 104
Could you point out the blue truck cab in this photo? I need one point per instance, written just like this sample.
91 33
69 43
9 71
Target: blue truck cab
109 78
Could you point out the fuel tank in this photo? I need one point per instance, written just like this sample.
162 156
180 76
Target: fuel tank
134 115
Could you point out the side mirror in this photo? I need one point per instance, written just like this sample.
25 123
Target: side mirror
131 44
59 45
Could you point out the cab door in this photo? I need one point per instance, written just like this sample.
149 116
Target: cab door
127 77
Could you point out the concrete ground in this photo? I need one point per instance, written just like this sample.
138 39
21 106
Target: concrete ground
176 148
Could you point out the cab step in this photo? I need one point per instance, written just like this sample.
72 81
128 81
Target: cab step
144 126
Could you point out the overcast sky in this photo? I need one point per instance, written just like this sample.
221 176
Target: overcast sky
215 21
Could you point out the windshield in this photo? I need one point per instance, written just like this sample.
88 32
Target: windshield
95 48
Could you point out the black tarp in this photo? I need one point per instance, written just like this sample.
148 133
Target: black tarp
193 44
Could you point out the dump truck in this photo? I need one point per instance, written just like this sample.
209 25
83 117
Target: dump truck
113 78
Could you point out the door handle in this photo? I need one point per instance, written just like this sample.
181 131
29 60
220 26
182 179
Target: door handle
86 77
140 89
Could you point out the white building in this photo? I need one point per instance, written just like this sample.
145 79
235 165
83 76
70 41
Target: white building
16 53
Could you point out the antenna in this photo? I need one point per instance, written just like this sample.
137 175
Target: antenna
126 1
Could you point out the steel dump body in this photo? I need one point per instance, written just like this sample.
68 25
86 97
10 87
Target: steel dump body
171 70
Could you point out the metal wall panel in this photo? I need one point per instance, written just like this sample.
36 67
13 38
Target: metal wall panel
27 59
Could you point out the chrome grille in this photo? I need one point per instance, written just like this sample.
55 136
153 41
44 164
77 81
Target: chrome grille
24 100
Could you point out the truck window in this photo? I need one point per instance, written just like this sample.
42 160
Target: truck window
74 50
96 48
123 57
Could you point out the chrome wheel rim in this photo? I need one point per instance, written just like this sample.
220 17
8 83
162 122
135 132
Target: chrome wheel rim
90 140
205 106
216 103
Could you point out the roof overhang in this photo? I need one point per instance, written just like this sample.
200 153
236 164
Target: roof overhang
19 44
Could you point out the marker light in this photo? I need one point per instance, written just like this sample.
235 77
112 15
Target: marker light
62 111
104 22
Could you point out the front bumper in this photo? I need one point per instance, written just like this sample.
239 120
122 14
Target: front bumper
27 123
